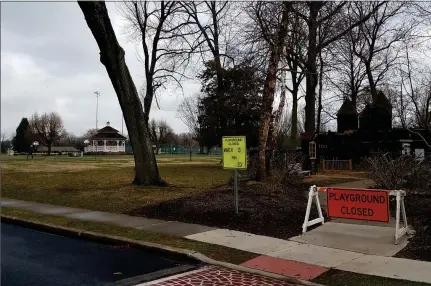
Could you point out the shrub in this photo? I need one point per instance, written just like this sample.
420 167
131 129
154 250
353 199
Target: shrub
403 172
286 169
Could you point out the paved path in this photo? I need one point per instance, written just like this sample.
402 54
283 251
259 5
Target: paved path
285 257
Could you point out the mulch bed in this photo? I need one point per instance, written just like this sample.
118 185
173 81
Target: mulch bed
278 213
418 209
273 213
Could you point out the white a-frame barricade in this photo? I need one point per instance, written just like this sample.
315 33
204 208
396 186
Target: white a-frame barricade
359 204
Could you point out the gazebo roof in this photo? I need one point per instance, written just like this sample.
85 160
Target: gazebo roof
107 132
108 136
108 129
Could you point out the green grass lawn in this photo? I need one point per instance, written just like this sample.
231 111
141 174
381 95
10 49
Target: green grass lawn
105 184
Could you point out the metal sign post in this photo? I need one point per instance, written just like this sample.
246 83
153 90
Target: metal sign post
235 190
234 157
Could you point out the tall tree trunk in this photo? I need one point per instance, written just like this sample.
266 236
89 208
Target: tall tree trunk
353 89
112 57
268 91
294 128
149 93
319 105
275 124
311 75
371 82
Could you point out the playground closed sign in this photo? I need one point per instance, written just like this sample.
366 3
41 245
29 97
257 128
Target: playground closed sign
360 204
234 152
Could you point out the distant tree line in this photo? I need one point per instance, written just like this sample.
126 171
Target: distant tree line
48 130
248 56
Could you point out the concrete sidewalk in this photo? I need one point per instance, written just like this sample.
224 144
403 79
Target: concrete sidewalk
297 259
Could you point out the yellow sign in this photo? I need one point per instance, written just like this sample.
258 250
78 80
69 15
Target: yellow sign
234 152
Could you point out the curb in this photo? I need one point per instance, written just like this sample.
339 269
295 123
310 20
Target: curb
185 254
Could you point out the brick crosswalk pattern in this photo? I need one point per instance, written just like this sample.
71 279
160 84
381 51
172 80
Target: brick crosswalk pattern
216 276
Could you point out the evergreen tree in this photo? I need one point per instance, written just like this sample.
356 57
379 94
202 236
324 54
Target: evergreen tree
233 110
22 140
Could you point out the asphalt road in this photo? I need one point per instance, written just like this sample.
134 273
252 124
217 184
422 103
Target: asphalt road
30 257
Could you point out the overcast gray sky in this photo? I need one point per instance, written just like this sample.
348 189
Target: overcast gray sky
50 62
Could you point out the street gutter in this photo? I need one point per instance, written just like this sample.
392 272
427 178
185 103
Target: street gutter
185 254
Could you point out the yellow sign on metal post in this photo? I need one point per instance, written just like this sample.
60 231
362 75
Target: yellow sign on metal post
234 152
234 157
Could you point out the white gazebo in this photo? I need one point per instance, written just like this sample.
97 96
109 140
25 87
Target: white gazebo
107 140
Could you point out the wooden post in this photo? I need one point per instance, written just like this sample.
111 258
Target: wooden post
350 164
323 167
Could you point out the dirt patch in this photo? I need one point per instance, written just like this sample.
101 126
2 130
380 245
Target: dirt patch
328 176
277 213
419 217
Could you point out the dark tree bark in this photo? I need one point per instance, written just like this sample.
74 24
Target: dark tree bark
296 59
319 103
311 75
294 131
294 64
268 91
112 57
275 124
314 22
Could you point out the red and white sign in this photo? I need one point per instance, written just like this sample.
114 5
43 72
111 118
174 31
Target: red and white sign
359 204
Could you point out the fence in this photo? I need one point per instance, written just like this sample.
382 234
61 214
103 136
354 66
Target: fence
337 165
176 149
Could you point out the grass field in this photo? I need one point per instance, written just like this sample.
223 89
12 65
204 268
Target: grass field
104 183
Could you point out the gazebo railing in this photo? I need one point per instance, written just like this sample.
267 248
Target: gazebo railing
92 148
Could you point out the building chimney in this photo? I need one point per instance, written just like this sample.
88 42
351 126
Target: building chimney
108 123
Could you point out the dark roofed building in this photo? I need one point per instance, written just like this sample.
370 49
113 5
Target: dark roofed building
347 117
107 140
375 134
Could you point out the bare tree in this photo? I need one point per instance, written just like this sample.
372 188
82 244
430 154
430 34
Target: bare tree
285 128
323 15
374 40
163 33
272 20
347 70
112 57
89 133
413 101
48 128
160 132
274 125
188 112
208 17
295 57
187 140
